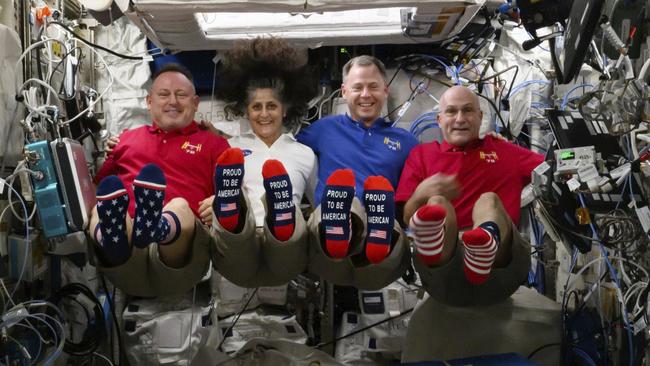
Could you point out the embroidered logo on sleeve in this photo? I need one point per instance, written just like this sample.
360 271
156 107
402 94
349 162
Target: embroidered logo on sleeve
489 157
392 144
191 149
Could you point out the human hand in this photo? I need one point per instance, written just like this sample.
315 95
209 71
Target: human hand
111 143
438 185
210 127
496 135
205 210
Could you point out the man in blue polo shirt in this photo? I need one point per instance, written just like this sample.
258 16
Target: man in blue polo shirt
366 249
362 140
358 152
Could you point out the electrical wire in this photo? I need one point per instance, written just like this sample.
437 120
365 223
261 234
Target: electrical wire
527 83
335 340
404 107
584 355
47 321
451 70
108 361
27 248
10 182
320 107
493 76
399 67
67 54
507 127
73 34
540 348
61 339
232 326
26 52
40 344
565 100
616 281
92 47
111 304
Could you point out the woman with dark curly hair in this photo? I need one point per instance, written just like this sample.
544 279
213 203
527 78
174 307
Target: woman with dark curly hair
260 181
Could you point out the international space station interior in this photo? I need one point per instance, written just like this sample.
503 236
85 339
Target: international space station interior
325 182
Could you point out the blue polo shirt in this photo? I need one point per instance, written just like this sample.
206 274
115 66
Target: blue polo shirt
341 142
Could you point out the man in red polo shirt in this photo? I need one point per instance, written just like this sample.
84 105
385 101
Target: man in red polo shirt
467 183
160 174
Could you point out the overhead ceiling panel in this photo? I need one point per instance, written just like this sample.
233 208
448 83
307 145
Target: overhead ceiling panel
201 24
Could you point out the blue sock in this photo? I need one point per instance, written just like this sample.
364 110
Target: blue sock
228 178
112 207
335 212
170 219
279 200
149 226
493 229
379 200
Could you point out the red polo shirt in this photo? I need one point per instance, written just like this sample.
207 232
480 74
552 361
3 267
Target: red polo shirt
187 156
488 165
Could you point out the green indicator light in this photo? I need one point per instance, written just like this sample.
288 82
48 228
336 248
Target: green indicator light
565 155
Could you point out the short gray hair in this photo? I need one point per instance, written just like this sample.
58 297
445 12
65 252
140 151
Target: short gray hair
365 60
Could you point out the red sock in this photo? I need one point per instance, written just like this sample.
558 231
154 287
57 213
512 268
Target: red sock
228 176
379 200
428 228
335 212
480 251
279 200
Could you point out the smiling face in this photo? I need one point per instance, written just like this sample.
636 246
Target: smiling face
265 113
460 116
172 101
365 91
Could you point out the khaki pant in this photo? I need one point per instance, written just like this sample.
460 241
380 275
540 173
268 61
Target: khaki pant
447 284
355 270
254 257
145 275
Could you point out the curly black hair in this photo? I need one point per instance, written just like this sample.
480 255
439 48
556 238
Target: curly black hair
265 63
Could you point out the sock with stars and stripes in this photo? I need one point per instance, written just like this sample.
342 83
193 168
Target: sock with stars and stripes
110 232
428 228
149 225
481 246
379 201
228 176
335 212
279 200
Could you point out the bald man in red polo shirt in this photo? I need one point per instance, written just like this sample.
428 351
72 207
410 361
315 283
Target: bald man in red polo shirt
469 184
161 175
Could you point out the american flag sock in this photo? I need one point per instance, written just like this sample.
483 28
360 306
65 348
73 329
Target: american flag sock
169 223
228 176
149 194
279 200
379 200
110 232
335 212
428 228
481 246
